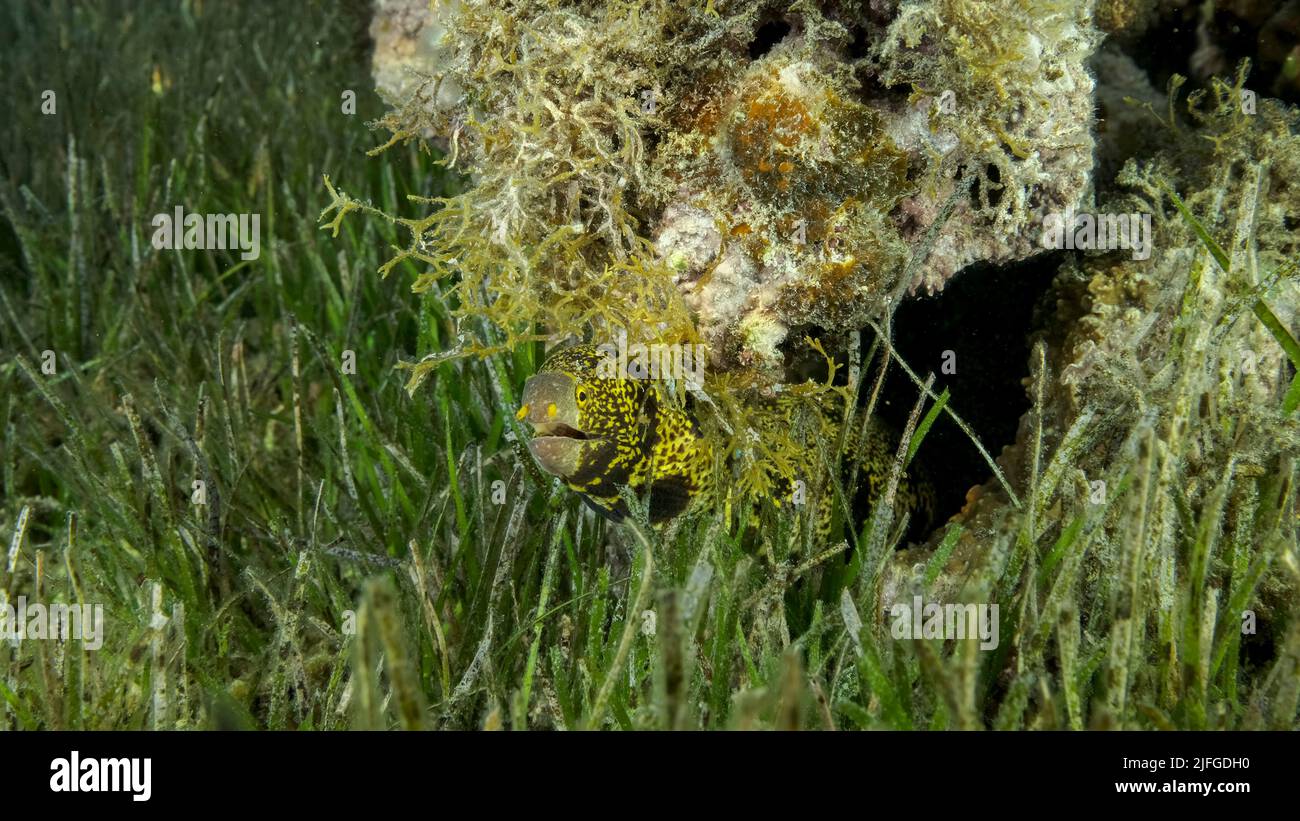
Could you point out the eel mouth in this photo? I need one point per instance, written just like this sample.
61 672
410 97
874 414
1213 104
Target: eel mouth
558 430
560 449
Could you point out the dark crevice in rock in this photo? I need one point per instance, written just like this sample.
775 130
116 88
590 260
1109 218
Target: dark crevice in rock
767 37
984 317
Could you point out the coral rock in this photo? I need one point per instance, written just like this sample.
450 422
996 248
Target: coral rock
786 161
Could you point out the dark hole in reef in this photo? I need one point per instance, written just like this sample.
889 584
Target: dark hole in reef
860 45
994 176
1163 49
1167 47
875 93
767 36
984 317
650 141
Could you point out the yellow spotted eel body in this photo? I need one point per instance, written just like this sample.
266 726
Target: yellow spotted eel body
598 433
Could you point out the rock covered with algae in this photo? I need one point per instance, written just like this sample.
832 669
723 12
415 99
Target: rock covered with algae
1161 415
735 172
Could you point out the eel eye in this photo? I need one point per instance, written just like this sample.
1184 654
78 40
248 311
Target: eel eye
582 394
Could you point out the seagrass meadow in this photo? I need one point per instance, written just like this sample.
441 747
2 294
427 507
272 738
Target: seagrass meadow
297 482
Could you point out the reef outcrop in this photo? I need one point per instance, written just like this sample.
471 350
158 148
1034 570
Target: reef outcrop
768 167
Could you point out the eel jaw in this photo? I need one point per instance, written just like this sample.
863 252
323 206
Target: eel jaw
557 455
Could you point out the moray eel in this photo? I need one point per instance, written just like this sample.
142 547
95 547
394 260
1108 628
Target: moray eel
598 434
915 492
